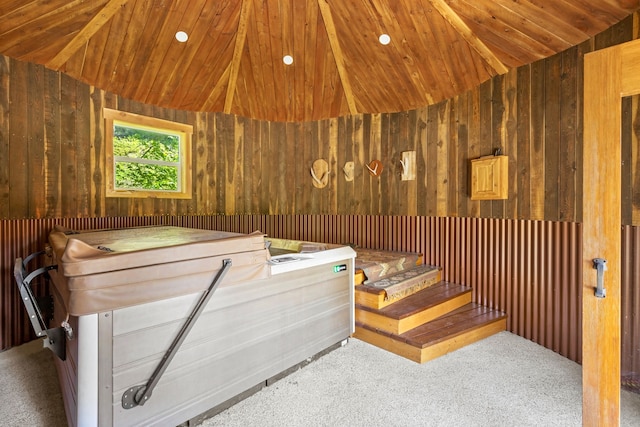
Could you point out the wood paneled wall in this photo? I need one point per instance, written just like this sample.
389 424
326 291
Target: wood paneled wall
52 151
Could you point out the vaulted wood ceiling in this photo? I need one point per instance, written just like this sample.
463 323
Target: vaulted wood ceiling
233 58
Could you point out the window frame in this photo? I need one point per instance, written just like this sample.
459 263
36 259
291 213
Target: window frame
114 117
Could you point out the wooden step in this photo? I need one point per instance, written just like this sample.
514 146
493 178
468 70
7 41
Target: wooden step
368 295
443 335
373 264
412 311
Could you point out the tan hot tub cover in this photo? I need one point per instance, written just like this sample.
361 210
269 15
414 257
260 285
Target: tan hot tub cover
104 270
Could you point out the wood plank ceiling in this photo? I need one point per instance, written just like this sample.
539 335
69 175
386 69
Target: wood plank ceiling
233 58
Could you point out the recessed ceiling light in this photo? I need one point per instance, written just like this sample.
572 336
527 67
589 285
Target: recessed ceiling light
384 39
287 59
181 36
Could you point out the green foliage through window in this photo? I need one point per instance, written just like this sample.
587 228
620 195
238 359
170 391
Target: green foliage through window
145 159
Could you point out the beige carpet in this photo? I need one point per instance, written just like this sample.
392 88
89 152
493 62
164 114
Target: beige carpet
504 380
30 395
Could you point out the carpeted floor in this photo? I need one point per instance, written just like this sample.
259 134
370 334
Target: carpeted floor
29 387
503 380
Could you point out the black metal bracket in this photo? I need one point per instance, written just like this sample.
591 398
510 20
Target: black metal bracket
140 394
55 337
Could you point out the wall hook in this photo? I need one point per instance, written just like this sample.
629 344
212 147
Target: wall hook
348 171
408 163
319 180
375 167
320 173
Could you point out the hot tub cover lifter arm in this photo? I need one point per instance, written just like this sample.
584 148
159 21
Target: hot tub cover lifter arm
138 395
55 340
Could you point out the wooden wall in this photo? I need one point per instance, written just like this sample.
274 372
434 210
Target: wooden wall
52 151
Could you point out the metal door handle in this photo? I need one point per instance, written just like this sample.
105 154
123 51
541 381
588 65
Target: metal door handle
600 264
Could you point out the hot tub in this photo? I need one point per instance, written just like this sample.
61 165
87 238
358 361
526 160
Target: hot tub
198 317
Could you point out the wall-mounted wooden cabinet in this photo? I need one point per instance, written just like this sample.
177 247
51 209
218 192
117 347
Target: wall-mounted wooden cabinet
490 178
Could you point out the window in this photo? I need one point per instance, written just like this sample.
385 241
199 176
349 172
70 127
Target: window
147 157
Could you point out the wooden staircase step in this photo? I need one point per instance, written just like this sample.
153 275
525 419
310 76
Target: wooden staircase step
370 295
372 264
438 337
414 310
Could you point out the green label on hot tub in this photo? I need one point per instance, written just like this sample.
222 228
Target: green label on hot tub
339 268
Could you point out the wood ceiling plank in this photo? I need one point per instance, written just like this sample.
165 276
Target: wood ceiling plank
325 11
368 62
509 28
135 49
583 15
251 69
220 87
173 19
465 66
92 27
286 73
76 63
263 45
111 39
95 50
545 21
189 57
31 35
16 6
628 6
199 89
471 68
322 55
276 13
333 90
117 63
300 26
311 46
326 71
18 15
395 18
176 54
154 36
376 19
439 41
204 91
422 55
434 67
244 100
614 10
241 35
495 33
196 87
454 19
41 52
540 35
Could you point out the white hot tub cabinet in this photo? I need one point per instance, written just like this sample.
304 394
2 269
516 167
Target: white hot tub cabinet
128 292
